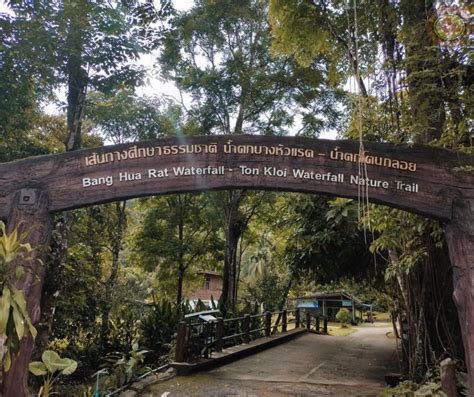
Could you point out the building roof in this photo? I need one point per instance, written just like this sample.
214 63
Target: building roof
210 272
332 295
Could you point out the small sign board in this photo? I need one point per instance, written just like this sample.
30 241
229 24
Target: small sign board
347 303
207 318
307 304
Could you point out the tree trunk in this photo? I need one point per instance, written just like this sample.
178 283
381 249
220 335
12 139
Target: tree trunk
233 232
179 291
28 214
77 77
460 239
54 282
422 60
282 302
230 265
117 237
77 81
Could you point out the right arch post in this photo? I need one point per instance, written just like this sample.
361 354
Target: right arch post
460 240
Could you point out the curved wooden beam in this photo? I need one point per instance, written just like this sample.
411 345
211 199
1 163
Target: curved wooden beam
416 178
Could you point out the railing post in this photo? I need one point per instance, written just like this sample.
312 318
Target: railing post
181 342
325 329
308 320
318 323
268 323
297 318
219 334
283 321
246 328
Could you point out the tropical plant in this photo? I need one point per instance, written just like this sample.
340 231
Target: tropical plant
15 321
123 367
51 367
158 327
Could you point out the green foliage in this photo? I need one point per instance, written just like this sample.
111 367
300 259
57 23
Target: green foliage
326 240
299 30
158 327
403 233
15 322
343 316
51 367
430 386
124 367
172 237
223 60
110 35
122 116
411 389
267 289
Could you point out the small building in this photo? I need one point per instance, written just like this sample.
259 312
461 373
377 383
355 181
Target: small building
327 304
210 289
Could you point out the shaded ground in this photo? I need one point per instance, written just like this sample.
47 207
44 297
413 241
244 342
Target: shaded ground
311 365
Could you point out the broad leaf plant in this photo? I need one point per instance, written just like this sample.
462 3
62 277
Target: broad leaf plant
15 322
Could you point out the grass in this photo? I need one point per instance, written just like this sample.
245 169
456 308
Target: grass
382 317
335 329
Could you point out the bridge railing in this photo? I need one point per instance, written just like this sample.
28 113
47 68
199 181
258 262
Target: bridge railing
200 339
315 323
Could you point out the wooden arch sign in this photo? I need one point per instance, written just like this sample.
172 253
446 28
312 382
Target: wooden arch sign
433 182
419 179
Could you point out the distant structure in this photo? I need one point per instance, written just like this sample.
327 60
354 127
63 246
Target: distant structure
210 289
327 304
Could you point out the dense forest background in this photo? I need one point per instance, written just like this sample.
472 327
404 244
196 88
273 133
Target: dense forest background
369 70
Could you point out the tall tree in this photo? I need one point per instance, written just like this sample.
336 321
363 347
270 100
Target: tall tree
81 44
223 61
173 237
417 95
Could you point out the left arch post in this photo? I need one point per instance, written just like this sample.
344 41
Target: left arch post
29 212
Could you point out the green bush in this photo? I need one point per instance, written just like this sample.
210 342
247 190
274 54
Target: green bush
343 316
157 330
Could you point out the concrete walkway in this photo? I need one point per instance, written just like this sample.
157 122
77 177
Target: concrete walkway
311 365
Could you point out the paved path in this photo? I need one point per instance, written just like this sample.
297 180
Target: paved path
311 365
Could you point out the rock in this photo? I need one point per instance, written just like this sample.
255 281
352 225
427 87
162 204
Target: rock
152 379
448 377
128 393
392 379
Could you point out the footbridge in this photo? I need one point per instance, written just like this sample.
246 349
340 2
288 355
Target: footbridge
309 363
205 341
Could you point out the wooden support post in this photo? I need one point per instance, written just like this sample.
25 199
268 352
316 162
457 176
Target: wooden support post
180 355
318 323
268 323
284 321
29 213
219 334
246 328
308 320
460 239
297 318
325 325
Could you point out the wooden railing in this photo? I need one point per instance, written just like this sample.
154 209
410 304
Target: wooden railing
200 339
314 323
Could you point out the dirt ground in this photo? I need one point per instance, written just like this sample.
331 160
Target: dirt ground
311 365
